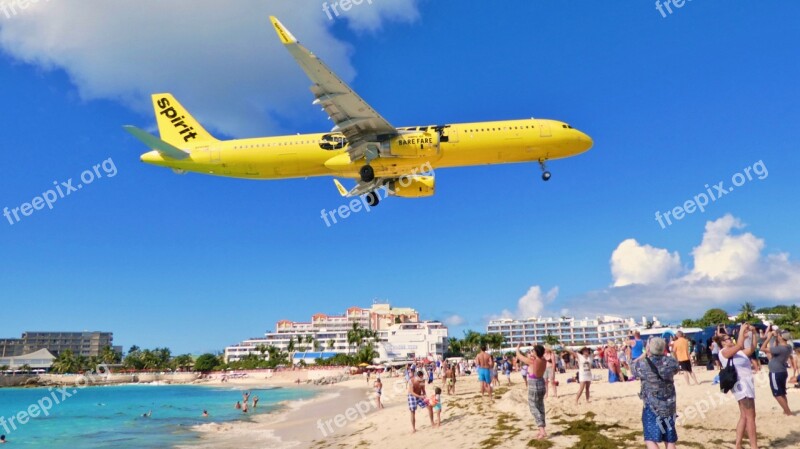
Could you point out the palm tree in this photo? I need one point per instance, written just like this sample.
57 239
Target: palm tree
290 346
183 361
747 311
81 363
331 344
551 339
262 349
65 362
494 340
472 340
109 356
454 345
354 336
366 354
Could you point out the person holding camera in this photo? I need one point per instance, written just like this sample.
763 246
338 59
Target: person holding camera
744 390
778 373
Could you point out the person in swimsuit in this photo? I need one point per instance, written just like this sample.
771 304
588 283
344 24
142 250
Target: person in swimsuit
550 373
416 399
484 362
436 406
378 390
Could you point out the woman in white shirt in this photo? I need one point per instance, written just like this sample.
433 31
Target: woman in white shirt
744 390
584 359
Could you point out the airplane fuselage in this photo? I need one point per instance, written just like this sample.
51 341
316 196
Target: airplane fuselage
325 154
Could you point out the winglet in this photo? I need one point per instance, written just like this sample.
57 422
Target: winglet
157 144
342 190
284 34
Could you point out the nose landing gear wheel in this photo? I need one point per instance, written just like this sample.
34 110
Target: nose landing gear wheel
367 173
545 174
372 198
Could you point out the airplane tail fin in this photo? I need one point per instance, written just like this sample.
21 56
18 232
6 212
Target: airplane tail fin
175 125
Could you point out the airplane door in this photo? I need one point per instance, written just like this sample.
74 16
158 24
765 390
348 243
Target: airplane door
544 130
450 135
214 155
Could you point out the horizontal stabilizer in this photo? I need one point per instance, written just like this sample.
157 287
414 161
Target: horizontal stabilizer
157 144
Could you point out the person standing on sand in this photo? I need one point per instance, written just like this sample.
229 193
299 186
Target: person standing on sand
612 360
778 373
636 345
450 379
656 372
378 391
416 399
681 351
484 362
714 346
436 405
744 390
550 373
536 385
584 359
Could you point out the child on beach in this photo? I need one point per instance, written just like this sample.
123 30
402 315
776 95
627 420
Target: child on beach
584 359
436 403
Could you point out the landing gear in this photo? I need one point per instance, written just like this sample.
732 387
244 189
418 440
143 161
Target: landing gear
372 198
545 174
367 173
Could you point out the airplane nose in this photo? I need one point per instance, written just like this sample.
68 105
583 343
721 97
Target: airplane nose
586 142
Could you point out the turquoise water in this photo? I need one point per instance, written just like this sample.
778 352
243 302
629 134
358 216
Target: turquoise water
111 417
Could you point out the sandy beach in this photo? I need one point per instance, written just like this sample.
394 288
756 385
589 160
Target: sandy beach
344 416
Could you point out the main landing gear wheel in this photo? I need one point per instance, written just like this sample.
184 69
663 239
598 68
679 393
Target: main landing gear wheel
545 174
367 173
372 198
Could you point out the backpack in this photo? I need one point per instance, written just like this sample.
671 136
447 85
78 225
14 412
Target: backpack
728 377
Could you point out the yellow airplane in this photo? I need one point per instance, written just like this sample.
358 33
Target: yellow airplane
362 145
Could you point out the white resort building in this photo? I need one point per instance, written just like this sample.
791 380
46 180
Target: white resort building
400 333
570 331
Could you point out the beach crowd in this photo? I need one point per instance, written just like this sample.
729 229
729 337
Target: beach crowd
737 354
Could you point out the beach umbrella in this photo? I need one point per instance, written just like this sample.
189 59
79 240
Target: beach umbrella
363 364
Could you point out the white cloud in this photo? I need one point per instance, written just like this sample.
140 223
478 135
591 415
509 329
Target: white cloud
531 304
632 263
454 320
728 269
724 256
221 59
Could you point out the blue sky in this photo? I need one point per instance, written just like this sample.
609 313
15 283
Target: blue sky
196 263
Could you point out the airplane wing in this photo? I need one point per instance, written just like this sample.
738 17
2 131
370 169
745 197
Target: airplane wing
352 116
